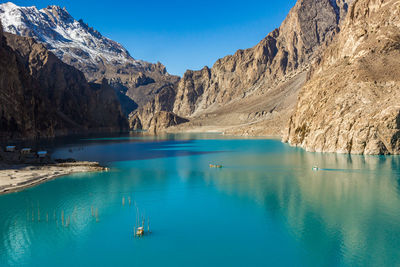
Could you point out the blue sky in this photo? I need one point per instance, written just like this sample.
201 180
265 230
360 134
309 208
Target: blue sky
180 34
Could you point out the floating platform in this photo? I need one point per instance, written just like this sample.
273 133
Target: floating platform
140 231
215 166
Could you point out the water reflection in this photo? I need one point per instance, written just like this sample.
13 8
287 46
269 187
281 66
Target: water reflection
347 214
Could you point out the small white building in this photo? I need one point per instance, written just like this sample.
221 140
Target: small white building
26 150
10 148
42 154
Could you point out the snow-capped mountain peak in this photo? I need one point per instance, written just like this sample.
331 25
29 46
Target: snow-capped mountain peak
62 34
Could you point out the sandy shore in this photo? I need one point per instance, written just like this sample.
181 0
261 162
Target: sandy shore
17 177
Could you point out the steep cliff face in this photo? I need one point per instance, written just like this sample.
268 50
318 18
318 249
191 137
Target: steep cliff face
267 77
44 97
22 109
98 57
145 116
350 103
281 55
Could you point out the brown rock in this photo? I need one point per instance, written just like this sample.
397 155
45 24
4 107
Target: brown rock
256 76
349 104
44 97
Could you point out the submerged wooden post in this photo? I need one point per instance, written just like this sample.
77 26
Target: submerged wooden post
97 214
62 217
123 201
47 217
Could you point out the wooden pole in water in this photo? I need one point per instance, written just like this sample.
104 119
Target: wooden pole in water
123 201
74 213
129 200
137 216
62 217
47 217
91 208
97 214
54 215
38 211
33 216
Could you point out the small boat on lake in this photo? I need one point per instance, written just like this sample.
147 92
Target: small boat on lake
215 166
140 231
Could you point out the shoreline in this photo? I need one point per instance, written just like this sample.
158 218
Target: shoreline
14 178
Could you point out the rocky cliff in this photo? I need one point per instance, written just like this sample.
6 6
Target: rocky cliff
98 57
350 101
43 97
258 86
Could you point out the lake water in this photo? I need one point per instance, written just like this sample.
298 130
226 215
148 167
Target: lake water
265 207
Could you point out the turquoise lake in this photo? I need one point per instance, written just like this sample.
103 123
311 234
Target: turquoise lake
265 207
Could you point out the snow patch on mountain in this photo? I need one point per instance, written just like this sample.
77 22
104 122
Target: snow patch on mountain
63 35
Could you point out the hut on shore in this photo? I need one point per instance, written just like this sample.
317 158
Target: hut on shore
10 148
42 154
26 150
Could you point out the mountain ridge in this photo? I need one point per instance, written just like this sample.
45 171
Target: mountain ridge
255 75
98 57
43 97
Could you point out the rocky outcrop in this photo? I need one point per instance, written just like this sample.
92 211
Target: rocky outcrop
144 117
256 76
350 102
136 82
284 53
23 110
43 97
163 120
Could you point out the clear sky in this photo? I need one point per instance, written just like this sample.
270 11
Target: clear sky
180 34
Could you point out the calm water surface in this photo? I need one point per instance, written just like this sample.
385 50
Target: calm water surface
266 207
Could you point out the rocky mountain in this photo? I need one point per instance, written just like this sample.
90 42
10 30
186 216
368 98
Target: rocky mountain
350 101
40 96
81 46
255 90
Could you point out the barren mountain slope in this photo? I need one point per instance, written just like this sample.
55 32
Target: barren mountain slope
350 104
240 90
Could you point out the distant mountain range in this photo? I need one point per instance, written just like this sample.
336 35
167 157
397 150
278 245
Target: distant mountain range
326 80
81 46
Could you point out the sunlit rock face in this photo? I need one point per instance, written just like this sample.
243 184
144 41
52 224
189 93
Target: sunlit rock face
278 57
258 86
349 104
